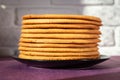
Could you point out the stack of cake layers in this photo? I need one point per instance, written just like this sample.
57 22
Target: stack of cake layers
59 37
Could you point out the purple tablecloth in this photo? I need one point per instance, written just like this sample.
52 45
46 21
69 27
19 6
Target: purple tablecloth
14 70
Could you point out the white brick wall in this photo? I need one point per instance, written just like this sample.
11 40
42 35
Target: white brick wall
83 2
107 10
110 15
107 36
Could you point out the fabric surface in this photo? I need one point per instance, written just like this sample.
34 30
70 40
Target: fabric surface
14 70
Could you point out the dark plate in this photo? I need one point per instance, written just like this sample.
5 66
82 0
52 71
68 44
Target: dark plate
62 63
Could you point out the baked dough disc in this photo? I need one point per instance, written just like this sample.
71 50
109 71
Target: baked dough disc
60 16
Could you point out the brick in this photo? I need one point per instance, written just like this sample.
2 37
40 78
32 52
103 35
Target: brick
21 3
110 15
107 36
22 11
82 2
9 37
117 2
117 36
7 51
6 17
111 51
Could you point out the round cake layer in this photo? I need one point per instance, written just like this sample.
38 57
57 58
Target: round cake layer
49 54
60 16
58 49
59 40
60 36
60 21
62 31
23 56
56 45
60 26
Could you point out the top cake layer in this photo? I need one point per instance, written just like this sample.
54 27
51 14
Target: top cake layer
61 16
